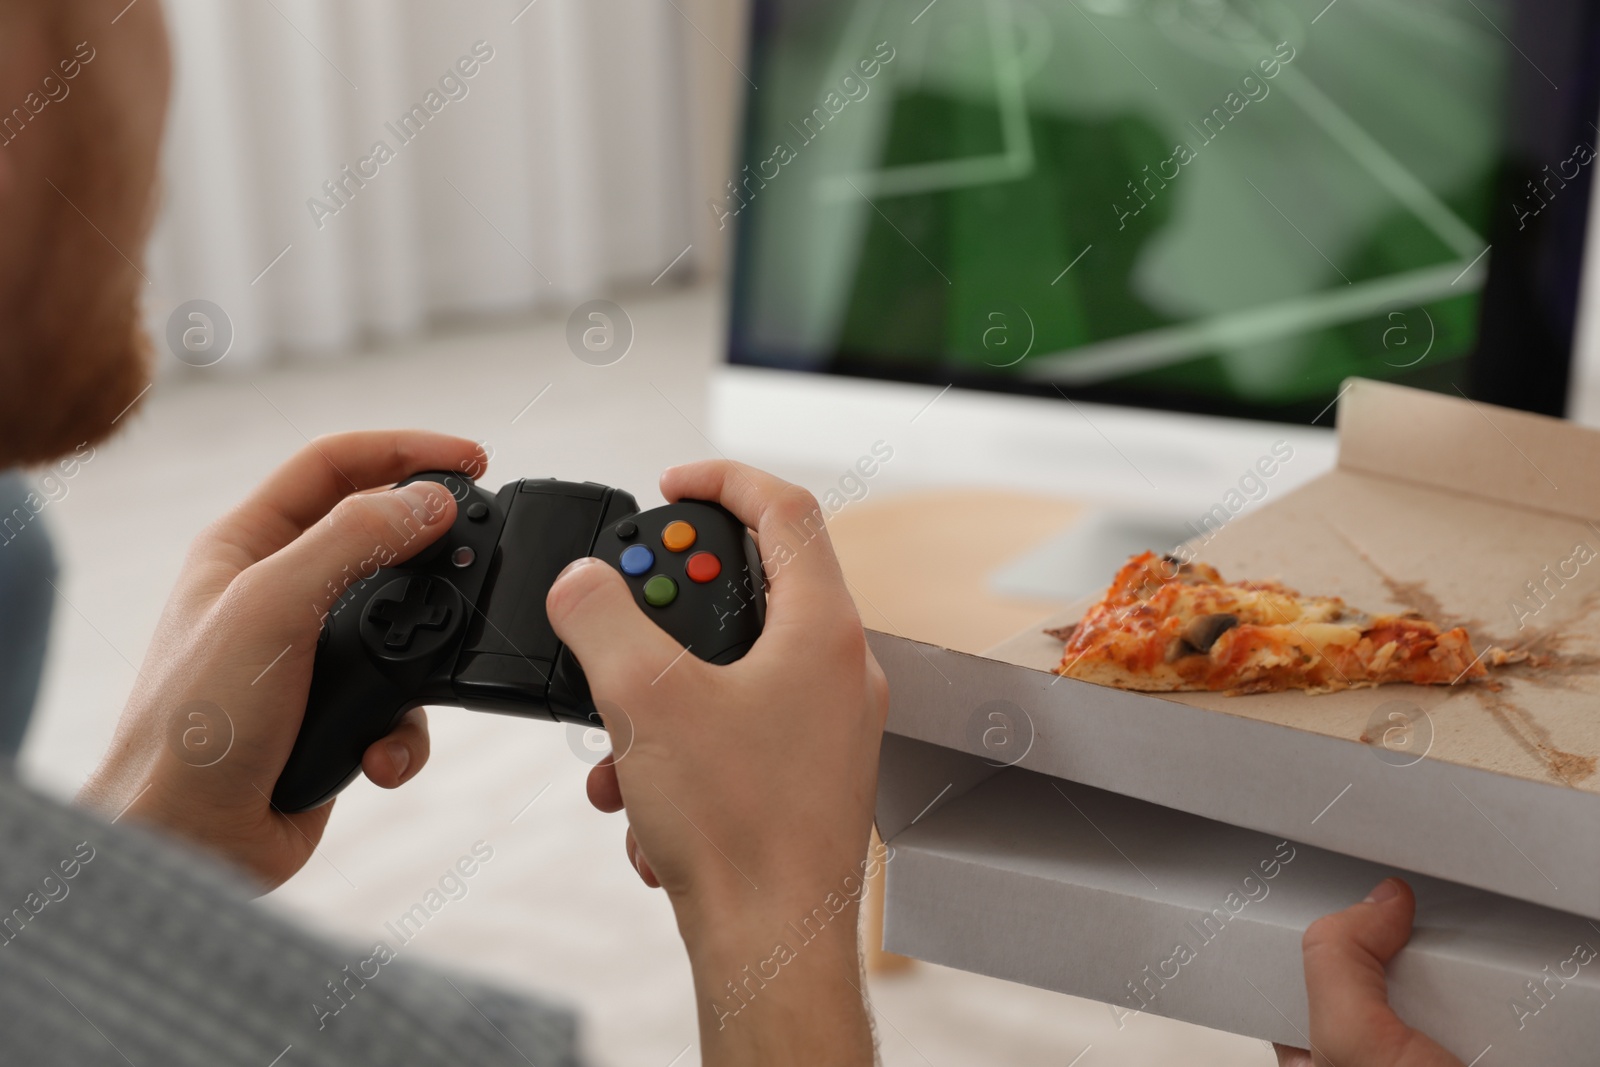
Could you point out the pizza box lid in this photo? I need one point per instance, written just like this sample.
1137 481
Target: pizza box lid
1471 514
1153 911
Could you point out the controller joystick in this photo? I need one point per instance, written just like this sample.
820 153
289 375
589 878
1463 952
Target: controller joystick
463 623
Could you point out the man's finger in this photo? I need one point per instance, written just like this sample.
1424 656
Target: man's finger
1292 1057
804 579
640 864
1345 956
315 479
392 761
365 532
621 651
604 791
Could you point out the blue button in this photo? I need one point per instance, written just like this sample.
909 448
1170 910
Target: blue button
637 560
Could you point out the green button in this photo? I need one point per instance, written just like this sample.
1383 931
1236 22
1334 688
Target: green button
660 591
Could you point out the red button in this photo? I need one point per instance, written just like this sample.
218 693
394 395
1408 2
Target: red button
703 567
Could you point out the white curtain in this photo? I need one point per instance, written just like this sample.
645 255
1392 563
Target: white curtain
558 168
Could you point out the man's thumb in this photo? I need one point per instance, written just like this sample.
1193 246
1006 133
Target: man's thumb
621 650
1345 956
365 532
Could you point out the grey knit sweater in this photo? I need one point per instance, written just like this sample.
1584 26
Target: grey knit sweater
119 948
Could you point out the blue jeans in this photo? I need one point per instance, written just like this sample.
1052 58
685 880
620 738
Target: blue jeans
27 569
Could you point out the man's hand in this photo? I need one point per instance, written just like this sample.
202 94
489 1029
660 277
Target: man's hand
223 687
1352 1024
749 787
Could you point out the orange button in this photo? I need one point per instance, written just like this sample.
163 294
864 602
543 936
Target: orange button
703 567
678 536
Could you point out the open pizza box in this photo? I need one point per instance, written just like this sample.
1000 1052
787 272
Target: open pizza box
1470 514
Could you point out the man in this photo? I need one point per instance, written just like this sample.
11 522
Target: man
27 575
136 942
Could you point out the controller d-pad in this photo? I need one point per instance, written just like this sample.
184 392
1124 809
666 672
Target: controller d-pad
411 616
412 612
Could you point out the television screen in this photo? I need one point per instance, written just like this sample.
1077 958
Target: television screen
1216 205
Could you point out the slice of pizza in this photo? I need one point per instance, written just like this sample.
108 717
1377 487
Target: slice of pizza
1166 626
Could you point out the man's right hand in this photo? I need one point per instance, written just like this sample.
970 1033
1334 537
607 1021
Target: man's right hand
1352 1024
749 787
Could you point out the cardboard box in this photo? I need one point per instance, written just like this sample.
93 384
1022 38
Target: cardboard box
1468 513
1062 886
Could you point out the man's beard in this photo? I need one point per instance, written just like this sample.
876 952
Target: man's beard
74 357
61 388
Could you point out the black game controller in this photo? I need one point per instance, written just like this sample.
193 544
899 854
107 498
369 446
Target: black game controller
463 622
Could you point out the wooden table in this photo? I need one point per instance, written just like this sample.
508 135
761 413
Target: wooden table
918 566
919 563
